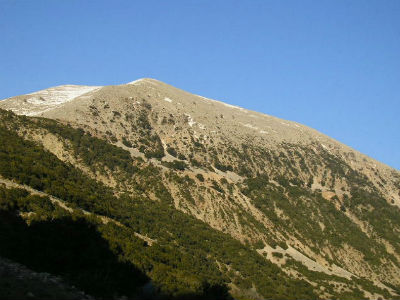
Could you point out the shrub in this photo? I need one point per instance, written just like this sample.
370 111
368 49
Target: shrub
172 151
175 165
126 142
200 177
277 254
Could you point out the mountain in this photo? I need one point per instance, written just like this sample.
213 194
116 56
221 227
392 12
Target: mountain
196 197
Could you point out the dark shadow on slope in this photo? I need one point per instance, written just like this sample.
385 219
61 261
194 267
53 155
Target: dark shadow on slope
214 292
208 292
73 249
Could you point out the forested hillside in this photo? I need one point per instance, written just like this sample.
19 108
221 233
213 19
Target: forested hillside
146 191
187 259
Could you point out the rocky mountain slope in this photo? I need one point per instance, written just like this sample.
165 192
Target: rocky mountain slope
294 200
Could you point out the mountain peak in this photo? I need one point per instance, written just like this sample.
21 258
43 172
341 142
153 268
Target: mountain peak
143 80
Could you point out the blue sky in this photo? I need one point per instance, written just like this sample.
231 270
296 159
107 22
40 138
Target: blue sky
332 65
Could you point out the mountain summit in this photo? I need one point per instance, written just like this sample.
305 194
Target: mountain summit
255 198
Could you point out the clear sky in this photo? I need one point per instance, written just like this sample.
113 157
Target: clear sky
332 65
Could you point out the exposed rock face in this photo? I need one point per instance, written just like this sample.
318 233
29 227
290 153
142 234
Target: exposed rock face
272 184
